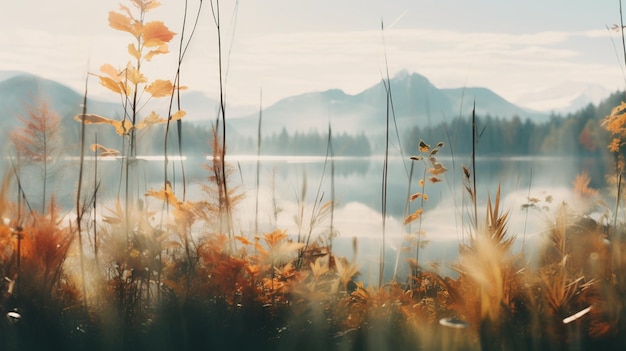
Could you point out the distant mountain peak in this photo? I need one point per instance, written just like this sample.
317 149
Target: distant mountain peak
403 74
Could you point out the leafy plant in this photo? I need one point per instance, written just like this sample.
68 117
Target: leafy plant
38 141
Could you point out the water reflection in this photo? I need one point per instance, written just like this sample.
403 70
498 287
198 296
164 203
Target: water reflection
293 183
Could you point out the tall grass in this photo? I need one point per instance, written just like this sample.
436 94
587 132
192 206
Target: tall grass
193 281
258 166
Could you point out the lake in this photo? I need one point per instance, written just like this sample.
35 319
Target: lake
358 195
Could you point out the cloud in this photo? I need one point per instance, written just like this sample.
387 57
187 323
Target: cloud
288 63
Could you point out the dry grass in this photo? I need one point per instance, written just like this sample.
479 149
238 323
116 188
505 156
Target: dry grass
171 273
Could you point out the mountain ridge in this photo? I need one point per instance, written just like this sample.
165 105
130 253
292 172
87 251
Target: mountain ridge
414 101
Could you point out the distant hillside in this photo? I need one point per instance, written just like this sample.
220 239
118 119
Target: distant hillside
419 107
21 92
415 102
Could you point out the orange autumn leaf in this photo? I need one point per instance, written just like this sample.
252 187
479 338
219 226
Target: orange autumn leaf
160 88
153 118
318 268
121 127
437 169
149 5
156 33
581 186
105 151
145 5
164 194
434 180
163 49
110 71
413 216
93 119
243 240
415 196
275 237
178 115
110 84
132 50
127 10
121 22
615 144
110 79
616 121
134 76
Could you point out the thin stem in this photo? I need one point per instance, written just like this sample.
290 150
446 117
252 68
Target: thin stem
258 165
79 210
475 205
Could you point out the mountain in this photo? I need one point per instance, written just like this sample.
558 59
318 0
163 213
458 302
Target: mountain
4 75
416 101
22 92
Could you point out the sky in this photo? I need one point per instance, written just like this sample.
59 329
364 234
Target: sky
530 52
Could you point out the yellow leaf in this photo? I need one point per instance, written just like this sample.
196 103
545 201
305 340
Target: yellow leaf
275 237
134 253
178 115
413 216
110 71
318 268
105 151
581 186
132 50
127 10
110 84
134 76
434 180
93 119
438 169
149 5
120 22
156 33
163 49
160 88
137 3
145 5
164 194
615 144
153 118
415 196
123 127
113 80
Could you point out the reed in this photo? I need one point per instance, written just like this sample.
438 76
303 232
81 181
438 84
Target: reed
174 273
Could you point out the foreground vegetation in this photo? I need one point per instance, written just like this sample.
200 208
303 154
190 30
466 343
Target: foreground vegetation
154 270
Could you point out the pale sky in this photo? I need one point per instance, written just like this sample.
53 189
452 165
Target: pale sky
287 47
